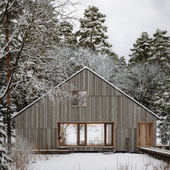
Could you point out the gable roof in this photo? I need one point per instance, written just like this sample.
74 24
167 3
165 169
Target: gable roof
87 68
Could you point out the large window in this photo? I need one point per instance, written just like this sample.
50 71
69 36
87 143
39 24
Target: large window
86 134
79 97
68 134
95 134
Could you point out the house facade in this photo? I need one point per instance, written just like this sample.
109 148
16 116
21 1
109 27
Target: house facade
99 115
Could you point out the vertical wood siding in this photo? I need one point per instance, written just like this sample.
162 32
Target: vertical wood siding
38 123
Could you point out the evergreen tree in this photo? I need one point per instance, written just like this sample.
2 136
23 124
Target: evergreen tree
92 31
26 29
122 63
161 55
140 70
7 28
4 159
66 34
3 103
162 103
3 110
35 30
160 47
142 49
151 52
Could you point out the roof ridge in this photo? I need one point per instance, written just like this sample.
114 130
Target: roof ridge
85 67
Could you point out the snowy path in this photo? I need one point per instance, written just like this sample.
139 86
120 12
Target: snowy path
96 161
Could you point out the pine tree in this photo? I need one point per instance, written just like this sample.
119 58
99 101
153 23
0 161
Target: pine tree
161 55
162 103
6 30
35 31
151 52
122 63
92 31
4 159
3 104
141 70
142 49
3 110
66 35
27 28
160 49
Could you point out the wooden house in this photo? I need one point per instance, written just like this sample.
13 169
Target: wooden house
98 116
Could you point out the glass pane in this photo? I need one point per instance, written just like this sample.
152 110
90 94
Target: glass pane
82 134
82 98
68 134
75 102
109 134
95 134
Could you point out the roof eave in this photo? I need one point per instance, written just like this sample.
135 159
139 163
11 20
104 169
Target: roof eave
99 77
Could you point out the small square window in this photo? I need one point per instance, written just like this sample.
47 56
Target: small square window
79 98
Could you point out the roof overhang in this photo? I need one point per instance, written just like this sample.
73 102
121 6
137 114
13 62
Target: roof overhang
87 68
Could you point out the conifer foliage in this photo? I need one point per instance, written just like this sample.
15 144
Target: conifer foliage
92 31
3 157
161 49
66 35
155 52
162 103
142 49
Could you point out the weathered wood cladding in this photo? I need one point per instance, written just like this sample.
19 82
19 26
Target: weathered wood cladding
38 123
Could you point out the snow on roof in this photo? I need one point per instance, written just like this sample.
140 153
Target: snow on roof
122 92
100 78
17 113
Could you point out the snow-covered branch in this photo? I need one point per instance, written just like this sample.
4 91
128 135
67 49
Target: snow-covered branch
33 32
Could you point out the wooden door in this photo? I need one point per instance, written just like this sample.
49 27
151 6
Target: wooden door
145 134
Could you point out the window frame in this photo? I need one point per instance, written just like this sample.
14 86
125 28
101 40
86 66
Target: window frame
78 134
78 99
111 134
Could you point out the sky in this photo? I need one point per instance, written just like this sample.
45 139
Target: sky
127 19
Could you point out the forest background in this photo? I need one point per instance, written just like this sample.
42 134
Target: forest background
38 50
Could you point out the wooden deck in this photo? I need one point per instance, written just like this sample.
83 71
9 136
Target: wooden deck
108 149
157 153
59 150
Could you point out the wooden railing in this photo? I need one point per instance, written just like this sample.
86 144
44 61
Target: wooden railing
157 153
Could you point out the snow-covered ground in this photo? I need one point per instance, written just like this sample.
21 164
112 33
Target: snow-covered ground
96 161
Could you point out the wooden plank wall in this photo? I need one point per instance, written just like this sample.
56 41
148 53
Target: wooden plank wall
38 123
145 134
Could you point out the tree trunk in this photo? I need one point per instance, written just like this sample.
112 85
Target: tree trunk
8 93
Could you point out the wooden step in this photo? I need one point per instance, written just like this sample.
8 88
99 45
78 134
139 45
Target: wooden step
52 151
107 149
